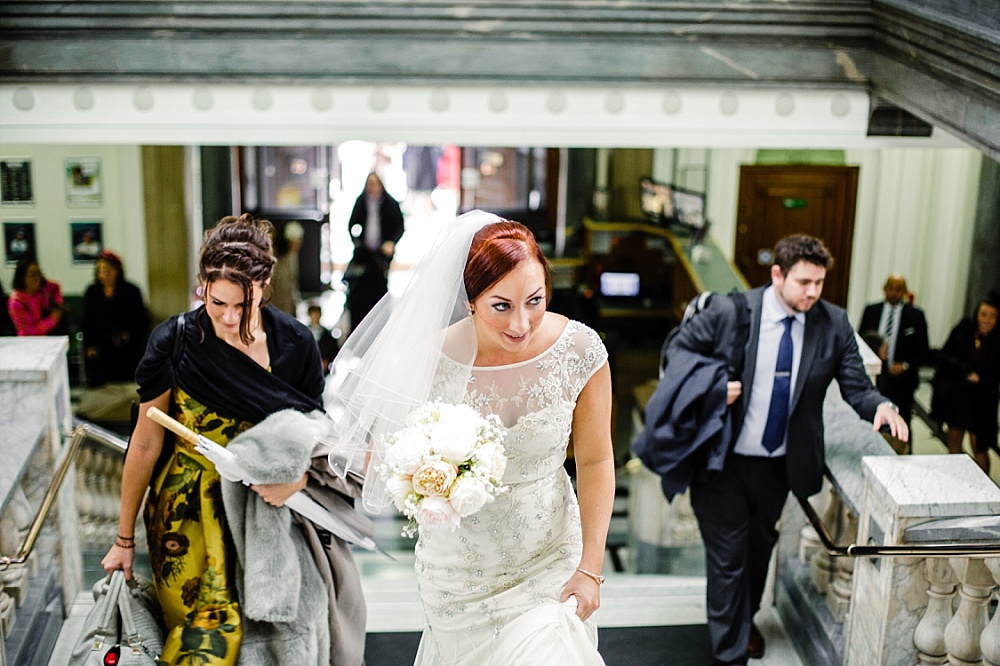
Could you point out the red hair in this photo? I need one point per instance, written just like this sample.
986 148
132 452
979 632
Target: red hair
496 250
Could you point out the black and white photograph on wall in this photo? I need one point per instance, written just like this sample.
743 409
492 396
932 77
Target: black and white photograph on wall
86 239
83 181
18 240
15 181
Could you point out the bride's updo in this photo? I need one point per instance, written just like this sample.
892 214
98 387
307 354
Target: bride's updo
238 249
496 250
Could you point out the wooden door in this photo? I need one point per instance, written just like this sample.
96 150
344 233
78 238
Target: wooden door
778 200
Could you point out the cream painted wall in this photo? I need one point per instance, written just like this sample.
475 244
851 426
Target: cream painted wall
915 215
121 211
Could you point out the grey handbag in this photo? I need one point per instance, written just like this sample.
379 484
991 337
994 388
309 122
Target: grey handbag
123 628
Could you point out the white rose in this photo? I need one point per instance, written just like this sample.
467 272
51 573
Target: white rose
434 479
468 496
436 513
406 454
399 487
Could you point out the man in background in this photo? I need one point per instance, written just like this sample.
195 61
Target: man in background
376 221
904 329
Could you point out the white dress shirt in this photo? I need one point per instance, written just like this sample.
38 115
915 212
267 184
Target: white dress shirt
884 321
772 327
373 226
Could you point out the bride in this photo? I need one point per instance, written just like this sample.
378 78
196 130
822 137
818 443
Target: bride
518 582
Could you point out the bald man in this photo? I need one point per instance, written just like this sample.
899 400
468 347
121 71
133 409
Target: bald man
905 331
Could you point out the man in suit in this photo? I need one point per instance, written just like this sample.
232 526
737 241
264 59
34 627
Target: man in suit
904 329
376 221
797 345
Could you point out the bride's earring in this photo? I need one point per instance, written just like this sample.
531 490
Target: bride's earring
471 312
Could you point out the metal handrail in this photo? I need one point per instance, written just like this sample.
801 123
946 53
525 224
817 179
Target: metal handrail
82 431
924 550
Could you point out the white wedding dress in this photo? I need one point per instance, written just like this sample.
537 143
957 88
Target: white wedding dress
491 588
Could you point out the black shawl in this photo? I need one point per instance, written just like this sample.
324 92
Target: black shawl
226 380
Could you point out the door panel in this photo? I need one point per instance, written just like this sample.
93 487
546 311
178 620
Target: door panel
778 200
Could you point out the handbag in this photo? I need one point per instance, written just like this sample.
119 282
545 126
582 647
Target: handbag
123 627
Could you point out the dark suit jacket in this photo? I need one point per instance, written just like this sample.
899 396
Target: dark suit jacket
829 351
686 428
390 220
911 342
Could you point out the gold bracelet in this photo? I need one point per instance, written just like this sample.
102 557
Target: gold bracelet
598 579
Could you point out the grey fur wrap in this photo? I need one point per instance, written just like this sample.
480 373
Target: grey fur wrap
282 594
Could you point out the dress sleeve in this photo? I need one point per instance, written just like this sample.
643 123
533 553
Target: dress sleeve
586 355
155 373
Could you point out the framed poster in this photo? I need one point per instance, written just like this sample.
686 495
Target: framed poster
15 181
86 239
83 181
18 240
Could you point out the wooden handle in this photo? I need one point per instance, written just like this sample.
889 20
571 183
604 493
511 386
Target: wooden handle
172 424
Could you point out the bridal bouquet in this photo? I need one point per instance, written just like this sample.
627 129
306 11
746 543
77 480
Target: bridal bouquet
446 463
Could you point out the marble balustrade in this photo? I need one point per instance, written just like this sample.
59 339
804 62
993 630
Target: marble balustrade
35 421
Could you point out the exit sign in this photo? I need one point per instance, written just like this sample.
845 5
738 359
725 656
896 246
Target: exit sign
793 203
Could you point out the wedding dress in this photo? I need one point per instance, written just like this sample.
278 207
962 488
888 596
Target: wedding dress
490 589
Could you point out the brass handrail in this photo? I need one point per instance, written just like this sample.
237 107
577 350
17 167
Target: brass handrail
925 550
82 431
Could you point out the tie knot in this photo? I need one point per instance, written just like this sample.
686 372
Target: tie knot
787 321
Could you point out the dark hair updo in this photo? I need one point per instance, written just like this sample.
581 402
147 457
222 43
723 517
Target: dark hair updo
238 249
496 250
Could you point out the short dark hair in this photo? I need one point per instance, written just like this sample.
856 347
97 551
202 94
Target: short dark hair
790 250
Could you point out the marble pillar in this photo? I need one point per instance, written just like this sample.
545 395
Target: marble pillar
890 594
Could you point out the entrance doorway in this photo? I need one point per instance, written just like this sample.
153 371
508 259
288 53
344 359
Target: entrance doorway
778 200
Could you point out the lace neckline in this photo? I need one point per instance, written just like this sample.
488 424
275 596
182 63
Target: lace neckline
481 368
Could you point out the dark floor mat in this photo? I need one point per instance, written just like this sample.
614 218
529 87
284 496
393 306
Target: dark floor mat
685 645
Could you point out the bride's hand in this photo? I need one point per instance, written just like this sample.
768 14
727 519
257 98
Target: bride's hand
587 593
276 494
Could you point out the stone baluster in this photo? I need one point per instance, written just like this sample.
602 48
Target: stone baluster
963 633
838 597
989 640
821 567
7 614
14 525
809 542
929 634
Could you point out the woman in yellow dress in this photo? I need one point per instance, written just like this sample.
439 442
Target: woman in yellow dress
219 370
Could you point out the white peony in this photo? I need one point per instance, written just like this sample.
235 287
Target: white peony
491 456
408 451
455 434
469 495
436 513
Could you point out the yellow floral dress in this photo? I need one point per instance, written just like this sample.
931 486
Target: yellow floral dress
190 551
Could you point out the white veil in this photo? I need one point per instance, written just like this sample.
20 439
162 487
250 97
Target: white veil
388 364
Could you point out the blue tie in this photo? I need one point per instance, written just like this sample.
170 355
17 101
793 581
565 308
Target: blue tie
777 414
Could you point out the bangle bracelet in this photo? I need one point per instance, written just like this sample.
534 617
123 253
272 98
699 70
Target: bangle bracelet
124 538
598 579
124 545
